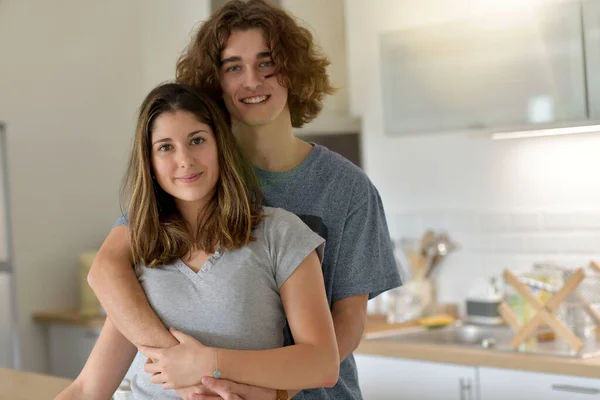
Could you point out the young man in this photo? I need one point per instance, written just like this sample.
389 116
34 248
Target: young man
271 78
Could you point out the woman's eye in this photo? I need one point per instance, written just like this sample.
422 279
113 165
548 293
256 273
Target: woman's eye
165 147
233 68
197 140
267 64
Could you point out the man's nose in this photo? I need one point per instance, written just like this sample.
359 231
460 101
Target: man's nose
252 79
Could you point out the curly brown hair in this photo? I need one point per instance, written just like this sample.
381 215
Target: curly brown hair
298 61
157 231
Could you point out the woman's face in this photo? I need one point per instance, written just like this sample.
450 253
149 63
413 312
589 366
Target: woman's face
184 157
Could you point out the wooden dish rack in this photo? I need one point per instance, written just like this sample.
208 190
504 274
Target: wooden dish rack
546 312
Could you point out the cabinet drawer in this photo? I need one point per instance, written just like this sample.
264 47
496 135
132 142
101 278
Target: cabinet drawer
501 384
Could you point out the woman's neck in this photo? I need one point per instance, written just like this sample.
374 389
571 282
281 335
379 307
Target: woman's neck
191 214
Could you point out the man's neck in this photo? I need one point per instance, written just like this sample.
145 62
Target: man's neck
272 147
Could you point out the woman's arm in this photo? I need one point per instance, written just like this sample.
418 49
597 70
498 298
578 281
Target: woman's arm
312 362
114 282
105 368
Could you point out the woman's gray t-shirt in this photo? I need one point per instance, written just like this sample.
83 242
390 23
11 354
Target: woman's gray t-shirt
233 301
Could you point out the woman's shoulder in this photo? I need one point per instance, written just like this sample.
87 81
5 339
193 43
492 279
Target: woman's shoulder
278 213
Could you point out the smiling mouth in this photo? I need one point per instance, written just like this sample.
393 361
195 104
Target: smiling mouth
189 178
256 99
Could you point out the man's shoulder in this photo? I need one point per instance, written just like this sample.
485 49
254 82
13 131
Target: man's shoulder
338 166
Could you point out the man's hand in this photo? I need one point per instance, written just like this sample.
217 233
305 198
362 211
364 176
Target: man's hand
228 390
190 393
178 366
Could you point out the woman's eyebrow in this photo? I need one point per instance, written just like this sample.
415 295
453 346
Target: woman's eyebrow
168 139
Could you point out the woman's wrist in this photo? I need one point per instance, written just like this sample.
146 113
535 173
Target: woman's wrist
216 372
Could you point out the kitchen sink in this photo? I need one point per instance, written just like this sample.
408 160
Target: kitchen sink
489 338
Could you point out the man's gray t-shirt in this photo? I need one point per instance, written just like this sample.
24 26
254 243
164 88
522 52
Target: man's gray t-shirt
233 302
338 201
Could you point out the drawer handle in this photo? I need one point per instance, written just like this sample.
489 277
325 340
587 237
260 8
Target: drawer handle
575 389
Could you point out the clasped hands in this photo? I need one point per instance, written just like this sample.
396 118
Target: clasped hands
182 366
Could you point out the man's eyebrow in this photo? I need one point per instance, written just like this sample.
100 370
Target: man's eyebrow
264 54
231 59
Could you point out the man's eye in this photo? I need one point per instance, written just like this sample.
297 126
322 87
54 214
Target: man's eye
267 64
197 140
234 68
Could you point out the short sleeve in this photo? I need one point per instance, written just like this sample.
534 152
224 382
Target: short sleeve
289 241
366 262
121 221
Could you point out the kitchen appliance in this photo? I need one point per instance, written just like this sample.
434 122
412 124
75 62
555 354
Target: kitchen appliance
9 356
482 304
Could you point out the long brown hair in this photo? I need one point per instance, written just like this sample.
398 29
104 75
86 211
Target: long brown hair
157 231
301 64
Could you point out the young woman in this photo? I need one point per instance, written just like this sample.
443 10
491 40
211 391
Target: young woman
213 264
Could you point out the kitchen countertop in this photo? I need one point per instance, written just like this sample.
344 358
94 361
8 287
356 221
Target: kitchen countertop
19 385
69 317
589 367
410 350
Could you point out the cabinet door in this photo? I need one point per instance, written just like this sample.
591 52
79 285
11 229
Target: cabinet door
6 322
70 347
591 25
389 378
513 70
502 384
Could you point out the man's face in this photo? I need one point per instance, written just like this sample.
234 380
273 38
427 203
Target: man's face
251 90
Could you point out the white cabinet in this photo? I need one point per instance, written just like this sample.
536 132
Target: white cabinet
502 384
522 69
6 322
70 347
388 378
591 23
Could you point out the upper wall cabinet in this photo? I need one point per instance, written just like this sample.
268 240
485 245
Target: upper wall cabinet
591 40
527 69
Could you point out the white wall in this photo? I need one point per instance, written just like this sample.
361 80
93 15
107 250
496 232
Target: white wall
508 203
166 31
72 75
325 20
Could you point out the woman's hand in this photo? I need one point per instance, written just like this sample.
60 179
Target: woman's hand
179 366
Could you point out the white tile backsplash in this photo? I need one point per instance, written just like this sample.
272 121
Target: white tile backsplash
571 220
489 242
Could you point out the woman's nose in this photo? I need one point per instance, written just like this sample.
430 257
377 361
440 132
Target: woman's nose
185 158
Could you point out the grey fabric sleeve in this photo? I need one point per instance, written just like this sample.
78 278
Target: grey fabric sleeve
290 241
366 254
122 220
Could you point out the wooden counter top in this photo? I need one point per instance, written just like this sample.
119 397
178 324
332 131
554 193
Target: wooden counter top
475 357
70 317
19 385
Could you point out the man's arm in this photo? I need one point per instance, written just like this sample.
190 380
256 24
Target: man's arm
349 317
105 368
115 284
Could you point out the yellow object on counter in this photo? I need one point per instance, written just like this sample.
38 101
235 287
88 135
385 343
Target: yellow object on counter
88 304
436 320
